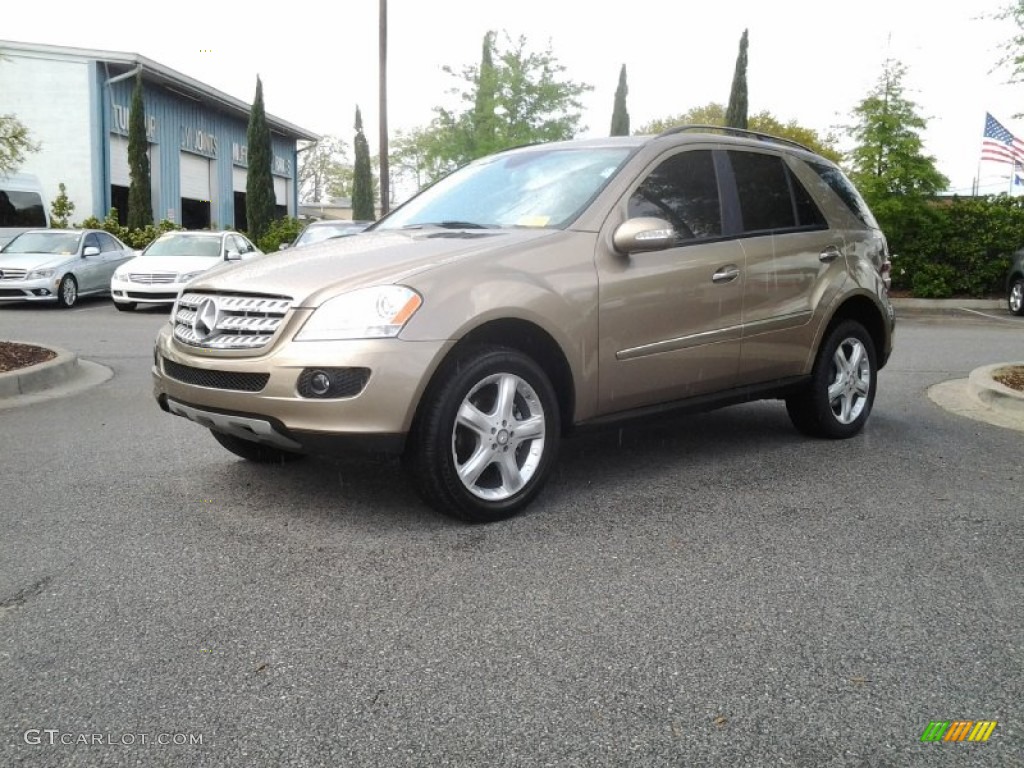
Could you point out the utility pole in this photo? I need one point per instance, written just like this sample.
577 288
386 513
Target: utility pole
385 191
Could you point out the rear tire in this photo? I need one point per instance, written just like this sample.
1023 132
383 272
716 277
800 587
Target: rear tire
838 399
256 452
486 435
1015 297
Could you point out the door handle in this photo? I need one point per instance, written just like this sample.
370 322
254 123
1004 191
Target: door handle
829 254
726 274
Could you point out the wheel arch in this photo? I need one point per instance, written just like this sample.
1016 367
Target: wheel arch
528 338
866 312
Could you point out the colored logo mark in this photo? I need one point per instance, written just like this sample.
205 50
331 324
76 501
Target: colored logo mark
958 730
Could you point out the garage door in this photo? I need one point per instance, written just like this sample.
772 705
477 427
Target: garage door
195 177
120 176
238 179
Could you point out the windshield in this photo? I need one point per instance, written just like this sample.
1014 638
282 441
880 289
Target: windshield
185 245
45 242
533 188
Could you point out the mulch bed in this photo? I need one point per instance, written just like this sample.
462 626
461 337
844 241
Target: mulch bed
1012 377
14 356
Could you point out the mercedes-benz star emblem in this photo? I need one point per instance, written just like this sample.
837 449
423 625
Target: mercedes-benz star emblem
205 323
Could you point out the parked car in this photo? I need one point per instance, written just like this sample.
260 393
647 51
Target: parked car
22 206
540 291
158 273
59 265
1015 284
318 231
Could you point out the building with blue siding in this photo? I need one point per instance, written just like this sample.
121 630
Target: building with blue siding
76 103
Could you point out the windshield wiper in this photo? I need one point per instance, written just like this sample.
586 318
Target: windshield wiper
450 224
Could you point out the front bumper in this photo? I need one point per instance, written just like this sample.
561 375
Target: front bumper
39 289
144 293
377 417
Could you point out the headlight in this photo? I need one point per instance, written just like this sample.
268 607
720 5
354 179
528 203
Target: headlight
120 277
190 276
36 274
368 313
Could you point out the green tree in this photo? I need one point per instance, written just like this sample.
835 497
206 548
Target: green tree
762 122
620 117
485 129
362 182
736 114
259 183
61 209
533 102
889 166
325 170
15 143
140 194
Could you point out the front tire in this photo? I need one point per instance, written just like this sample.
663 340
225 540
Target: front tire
486 436
1015 297
838 399
67 291
256 452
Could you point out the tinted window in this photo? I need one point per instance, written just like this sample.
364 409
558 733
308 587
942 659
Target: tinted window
763 189
841 185
807 212
91 241
21 209
684 191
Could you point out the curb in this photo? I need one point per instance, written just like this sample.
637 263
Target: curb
948 303
42 376
65 375
991 393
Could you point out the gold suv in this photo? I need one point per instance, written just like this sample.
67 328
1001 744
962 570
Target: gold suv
537 291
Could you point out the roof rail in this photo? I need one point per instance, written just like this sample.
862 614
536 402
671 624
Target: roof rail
734 132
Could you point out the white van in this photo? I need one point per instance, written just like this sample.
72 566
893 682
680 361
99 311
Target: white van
22 206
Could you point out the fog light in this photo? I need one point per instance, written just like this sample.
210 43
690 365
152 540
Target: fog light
319 383
332 382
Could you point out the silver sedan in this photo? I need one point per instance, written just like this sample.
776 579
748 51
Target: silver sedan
59 265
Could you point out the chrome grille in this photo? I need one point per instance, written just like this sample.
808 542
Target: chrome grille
213 321
151 278
10 273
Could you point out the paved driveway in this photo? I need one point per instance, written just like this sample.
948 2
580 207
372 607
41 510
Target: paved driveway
715 590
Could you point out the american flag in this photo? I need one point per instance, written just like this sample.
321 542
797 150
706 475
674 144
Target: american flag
999 144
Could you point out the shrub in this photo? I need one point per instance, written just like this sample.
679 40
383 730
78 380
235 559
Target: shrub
280 231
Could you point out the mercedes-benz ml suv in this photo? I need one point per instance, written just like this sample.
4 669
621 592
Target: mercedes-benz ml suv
537 291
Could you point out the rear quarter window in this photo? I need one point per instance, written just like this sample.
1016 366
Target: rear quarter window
836 180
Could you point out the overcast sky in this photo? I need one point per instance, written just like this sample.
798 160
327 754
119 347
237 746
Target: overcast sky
809 60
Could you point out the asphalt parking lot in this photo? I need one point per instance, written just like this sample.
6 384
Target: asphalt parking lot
713 590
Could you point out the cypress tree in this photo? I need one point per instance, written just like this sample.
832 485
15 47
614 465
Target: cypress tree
362 183
736 114
259 183
484 121
140 196
620 117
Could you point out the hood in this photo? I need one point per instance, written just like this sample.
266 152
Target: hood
34 260
314 273
178 264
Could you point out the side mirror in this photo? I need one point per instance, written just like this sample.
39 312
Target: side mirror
91 250
283 246
232 255
645 233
